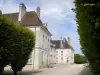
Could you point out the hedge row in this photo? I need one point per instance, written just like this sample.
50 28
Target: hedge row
16 44
88 20
79 59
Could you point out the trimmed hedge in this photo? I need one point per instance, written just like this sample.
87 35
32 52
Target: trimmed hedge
16 44
88 20
79 59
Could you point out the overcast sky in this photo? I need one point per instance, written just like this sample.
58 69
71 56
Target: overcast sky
57 13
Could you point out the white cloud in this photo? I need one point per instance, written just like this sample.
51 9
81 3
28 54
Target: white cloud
8 6
56 9
1 3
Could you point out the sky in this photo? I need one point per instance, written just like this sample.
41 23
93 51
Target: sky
57 13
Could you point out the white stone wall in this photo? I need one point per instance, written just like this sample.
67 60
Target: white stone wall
45 45
42 47
52 56
64 56
34 59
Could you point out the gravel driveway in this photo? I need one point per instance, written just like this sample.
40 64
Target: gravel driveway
63 70
57 70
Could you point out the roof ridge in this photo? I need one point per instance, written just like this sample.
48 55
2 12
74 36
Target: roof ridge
17 12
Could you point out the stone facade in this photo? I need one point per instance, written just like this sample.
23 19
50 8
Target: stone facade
64 53
64 56
52 54
42 48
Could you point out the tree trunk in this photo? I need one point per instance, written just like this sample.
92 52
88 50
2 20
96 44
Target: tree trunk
1 70
15 72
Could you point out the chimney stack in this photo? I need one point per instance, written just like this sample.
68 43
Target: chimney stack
0 12
64 39
69 41
38 11
61 43
22 11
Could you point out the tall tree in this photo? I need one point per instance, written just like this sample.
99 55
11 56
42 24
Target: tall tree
88 20
79 59
16 44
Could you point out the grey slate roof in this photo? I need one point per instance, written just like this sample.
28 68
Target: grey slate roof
64 43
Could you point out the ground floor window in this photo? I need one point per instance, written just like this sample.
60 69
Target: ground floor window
61 59
67 61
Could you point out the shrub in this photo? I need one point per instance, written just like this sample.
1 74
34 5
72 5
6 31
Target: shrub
79 59
16 44
88 20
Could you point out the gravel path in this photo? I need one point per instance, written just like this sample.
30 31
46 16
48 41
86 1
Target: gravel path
57 70
63 70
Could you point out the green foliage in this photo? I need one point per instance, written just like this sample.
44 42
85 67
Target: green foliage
79 59
88 20
16 44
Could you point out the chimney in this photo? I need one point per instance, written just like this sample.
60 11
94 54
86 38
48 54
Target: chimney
61 43
69 41
64 39
0 12
22 11
38 11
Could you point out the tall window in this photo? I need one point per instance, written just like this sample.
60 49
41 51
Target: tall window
67 61
56 59
48 40
43 38
61 53
61 59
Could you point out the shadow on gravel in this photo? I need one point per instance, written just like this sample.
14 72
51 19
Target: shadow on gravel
85 71
21 73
